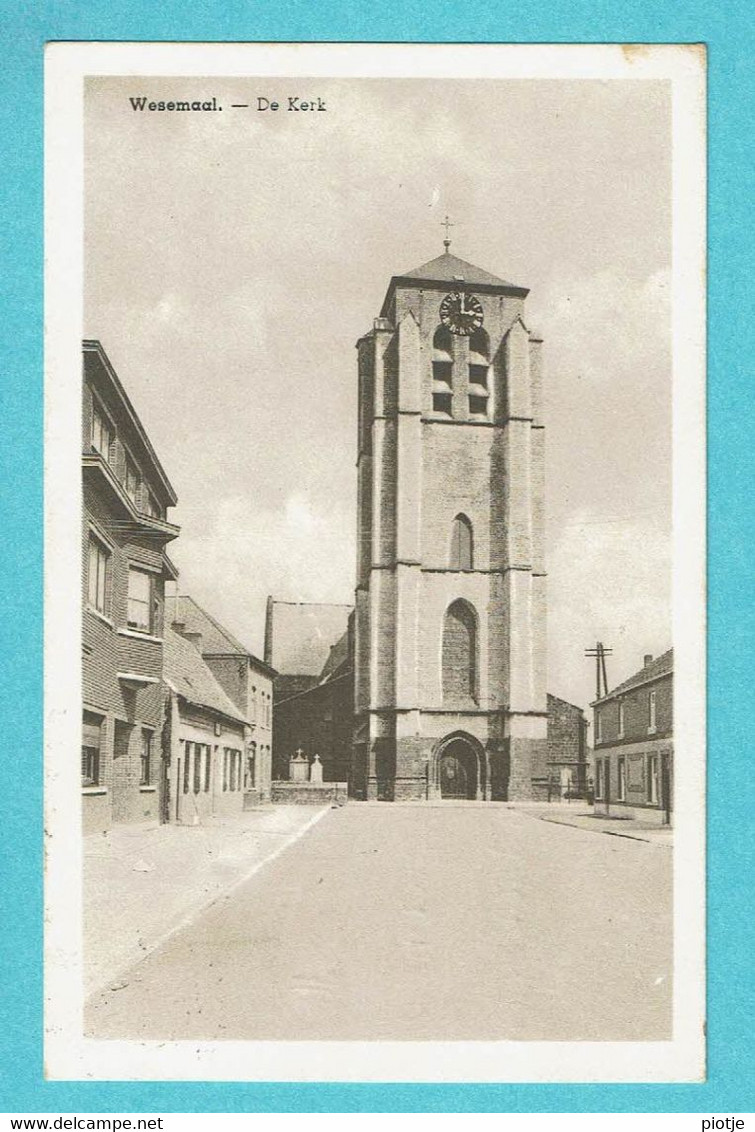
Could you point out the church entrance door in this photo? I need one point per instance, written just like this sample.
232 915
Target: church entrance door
458 771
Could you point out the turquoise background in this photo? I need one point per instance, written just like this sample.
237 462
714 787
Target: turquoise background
728 32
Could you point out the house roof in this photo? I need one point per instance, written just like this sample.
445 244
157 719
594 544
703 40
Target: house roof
188 675
300 635
337 658
661 666
99 366
449 268
216 639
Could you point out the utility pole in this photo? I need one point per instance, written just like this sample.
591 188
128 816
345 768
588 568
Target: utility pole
600 652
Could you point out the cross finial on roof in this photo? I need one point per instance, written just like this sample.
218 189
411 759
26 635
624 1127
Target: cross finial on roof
447 224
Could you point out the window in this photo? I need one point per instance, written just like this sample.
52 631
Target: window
249 773
621 720
653 780
621 767
651 712
90 749
187 768
197 767
102 433
98 575
442 370
461 543
478 407
479 365
150 506
132 482
460 654
140 587
598 727
231 769
442 403
146 759
598 778
207 769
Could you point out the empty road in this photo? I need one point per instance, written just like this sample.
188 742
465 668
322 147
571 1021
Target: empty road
447 922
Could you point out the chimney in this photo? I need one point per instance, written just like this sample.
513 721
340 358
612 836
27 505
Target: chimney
648 659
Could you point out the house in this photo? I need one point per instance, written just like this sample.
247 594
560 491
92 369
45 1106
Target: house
633 744
567 750
206 738
319 719
245 679
300 638
125 530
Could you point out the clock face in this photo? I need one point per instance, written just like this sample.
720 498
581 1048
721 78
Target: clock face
461 313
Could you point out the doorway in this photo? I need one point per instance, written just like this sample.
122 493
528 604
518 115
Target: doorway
457 771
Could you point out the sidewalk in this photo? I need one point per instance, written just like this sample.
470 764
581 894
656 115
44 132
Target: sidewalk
142 882
579 815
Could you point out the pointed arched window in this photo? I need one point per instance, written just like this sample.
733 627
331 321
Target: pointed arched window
460 654
461 544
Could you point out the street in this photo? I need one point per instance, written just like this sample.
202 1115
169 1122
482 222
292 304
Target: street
447 922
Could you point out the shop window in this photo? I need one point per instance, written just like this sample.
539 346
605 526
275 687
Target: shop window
653 793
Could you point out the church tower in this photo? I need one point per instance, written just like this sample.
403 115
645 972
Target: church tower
450 628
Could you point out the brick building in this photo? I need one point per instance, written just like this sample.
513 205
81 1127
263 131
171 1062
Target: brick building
205 738
320 719
125 530
633 744
450 639
245 679
300 638
568 752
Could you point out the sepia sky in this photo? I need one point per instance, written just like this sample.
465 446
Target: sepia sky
232 259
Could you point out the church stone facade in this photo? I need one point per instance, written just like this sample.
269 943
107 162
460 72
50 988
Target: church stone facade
450 626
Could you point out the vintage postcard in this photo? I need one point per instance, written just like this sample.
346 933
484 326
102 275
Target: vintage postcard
375 562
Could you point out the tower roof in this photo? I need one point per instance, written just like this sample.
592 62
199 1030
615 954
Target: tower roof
449 268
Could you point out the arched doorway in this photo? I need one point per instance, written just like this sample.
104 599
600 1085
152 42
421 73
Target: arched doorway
458 771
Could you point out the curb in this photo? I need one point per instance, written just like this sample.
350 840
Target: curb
202 906
607 832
